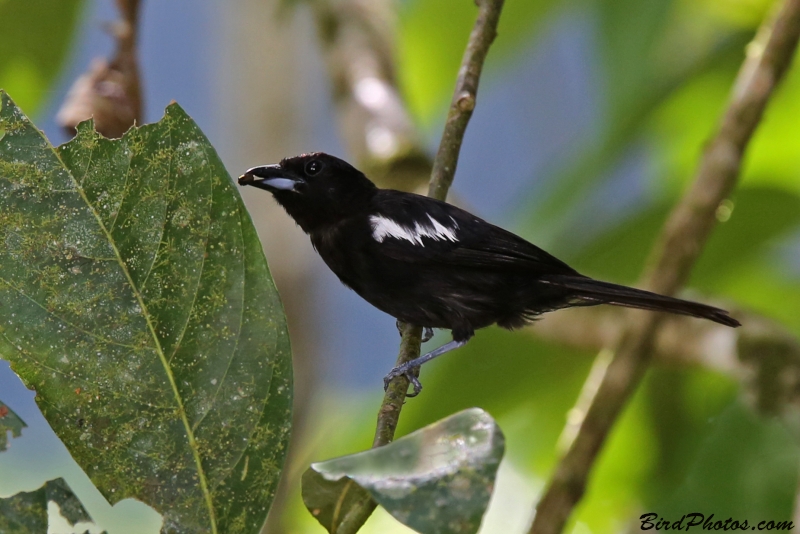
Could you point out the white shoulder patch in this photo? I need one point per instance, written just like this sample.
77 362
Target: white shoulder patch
383 227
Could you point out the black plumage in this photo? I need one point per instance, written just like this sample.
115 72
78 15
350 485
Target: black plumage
432 264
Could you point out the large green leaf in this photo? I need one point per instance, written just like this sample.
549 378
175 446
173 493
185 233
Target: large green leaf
436 480
9 422
35 37
136 300
26 512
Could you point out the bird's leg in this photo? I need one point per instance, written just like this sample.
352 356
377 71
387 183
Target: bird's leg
408 369
428 335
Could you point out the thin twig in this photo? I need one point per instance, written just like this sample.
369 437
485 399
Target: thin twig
483 33
682 240
444 166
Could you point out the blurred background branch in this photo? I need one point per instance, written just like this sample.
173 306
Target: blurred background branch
681 243
763 355
110 91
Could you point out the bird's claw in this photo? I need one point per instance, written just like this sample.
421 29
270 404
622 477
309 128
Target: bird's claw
411 376
428 335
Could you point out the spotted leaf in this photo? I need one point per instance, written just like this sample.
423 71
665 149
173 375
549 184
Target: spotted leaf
136 300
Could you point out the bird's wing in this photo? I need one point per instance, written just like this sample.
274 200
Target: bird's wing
420 230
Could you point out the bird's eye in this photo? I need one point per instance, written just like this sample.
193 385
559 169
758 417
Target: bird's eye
313 167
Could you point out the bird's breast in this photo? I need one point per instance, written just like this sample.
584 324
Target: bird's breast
342 249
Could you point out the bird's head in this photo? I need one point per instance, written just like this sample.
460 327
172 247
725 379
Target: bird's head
315 189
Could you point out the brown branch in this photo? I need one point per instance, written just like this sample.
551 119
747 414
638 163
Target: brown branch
754 354
110 91
483 33
125 59
681 242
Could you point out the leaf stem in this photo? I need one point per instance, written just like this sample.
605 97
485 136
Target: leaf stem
681 242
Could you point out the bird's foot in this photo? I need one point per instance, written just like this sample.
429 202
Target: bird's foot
410 372
428 335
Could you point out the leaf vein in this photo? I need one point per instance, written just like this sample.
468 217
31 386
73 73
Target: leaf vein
68 323
159 350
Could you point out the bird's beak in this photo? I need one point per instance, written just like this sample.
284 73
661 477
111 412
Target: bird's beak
269 177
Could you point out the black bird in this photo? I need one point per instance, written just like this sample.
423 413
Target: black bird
431 264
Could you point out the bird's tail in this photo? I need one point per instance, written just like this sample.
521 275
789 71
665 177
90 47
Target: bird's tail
588 291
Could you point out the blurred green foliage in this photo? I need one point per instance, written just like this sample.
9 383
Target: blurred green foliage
688 441
27 512
444 26
35 39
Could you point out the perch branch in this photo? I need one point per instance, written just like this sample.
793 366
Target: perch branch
682 239
444 166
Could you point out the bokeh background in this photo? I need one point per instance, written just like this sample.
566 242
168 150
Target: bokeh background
591 118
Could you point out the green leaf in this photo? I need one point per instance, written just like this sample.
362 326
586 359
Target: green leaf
436 480
135 298
35 37
9 422
26 512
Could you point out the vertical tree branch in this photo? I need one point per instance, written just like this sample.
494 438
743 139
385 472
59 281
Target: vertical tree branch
444 167
110 91
682 240
125 59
